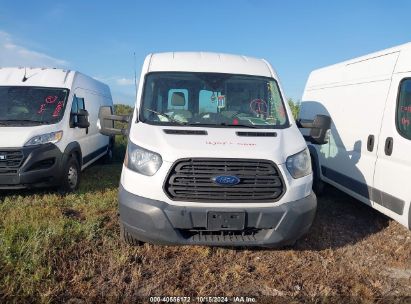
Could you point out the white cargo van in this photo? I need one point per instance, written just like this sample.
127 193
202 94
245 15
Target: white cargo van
48 127
214 155
369 151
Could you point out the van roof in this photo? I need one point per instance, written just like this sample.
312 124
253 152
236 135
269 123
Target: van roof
48 77
209 62
374 66
394 49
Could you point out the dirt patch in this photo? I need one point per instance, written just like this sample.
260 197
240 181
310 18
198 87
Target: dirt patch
397 273
73 214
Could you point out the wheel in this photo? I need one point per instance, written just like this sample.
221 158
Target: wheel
108 158
126 237
71 176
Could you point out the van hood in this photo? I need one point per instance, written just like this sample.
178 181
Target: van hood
218 142
16 137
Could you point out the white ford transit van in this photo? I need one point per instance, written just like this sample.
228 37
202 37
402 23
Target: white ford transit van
369 151
48 127
214 155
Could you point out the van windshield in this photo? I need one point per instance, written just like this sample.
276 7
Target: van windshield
212 99
31 105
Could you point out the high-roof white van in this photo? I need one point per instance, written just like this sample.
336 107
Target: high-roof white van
214 155
48 127
369 152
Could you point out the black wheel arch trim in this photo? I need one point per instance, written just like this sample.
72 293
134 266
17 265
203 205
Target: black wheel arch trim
315 161
73 147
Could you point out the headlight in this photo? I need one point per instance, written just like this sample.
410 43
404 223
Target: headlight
299 164
141 160
53 138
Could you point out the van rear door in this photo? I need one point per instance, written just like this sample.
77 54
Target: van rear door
392 188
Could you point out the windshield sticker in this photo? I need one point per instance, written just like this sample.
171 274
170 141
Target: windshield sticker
42 108
58 109
406 108
259 107
51 99
405 121
221 102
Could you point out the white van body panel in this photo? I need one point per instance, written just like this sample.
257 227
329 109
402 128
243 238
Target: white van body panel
392 173
16 138
220 143
208 62
360 95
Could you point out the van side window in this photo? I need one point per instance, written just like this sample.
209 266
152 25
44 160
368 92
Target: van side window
404 109
78 103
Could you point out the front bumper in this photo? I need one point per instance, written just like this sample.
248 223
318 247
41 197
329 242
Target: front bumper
160 223
40 166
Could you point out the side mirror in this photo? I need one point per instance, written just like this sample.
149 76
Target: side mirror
319 127
107 119
82 119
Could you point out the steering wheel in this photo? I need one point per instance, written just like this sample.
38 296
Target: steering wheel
201 115
234 114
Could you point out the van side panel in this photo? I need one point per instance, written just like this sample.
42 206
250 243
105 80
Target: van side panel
355 95
95 94
367 90
356 111
393 170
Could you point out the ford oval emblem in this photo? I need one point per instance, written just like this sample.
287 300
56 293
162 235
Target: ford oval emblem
226 180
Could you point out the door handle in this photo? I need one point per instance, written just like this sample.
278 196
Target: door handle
389 143
370 143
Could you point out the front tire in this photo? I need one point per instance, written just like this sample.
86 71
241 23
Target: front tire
108 158
71 176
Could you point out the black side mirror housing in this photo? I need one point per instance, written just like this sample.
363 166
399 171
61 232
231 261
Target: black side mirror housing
107 119
82 119
319 127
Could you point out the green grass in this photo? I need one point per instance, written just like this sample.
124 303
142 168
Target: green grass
37 226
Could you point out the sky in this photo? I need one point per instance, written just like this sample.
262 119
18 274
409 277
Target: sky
99 38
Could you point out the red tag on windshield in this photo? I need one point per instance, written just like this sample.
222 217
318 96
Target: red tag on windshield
42 108
58 109
51 99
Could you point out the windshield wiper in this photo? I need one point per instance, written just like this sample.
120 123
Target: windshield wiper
221 125
166 116
238 125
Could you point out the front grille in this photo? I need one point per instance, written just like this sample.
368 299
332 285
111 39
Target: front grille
192 180
12 161
248 235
